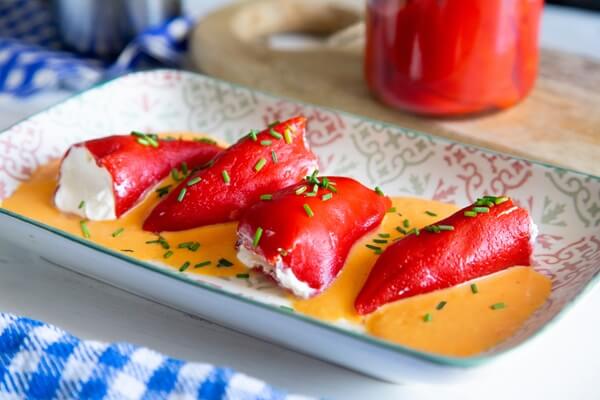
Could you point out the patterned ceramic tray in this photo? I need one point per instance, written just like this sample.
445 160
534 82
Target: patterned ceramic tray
564 204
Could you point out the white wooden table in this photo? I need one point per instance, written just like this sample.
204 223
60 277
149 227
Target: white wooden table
562 363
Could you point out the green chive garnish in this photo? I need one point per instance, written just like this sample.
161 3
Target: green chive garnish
379 191
138 134
242 276
184 266
445 227
406 223
274 156
152 142
308 210
181 194
127 250
402 231
275 134
392 210
265 142
184 168
501 200
266 197
481 209
194 246
287 134
474 288
163 190
117 232
470 214
260 164
372 247
378 251
205 140
143 141
81 205
175 175
257 236
223 262
440 305
193 181
168 254
202 264
380 241
327 196
498 306
225 176
300 190
272 124
427 317
384 235
84 229
431 213
253 134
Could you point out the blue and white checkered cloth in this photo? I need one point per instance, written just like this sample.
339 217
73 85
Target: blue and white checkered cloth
32 57
41 361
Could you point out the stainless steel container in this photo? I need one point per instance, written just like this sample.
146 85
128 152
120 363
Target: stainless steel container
102 28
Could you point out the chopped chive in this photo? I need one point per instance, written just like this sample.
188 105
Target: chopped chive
313 178
84 229
274 156
260 164
118 232
402 231
194 246
427 317
384 235
332 188
441 305
431 213
380 241
315 188
266 142
286 308
287 135
470 214
266 197
143 141
327 196
392 210
379 191
275 134
127 250
310 194
481 209
223 262
163 190
372 247
406 223
165 245
257 236
501 200
474 288
81 204
242 276
184 168
138 134
168 254
205 140
300 190
181 195
252 134
225 176
272 124
308 210
378 251
415 231
432 228
445 227
184 266
202 264
152 142
498 306
175 175
194 180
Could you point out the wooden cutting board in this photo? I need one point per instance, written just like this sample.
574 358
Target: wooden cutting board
558 123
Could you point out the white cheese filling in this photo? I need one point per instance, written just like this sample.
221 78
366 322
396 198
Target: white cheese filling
284 276
84 188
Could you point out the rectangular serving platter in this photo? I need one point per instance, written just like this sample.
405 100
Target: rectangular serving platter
564 204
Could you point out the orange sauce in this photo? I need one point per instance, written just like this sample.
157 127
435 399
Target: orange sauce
465 326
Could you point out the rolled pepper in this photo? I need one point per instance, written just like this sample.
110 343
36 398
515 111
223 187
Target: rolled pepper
260 162
118 170
302 235
488 236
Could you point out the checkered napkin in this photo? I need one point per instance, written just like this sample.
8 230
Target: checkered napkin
32 57
41 361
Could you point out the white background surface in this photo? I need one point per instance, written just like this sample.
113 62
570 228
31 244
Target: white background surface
563 363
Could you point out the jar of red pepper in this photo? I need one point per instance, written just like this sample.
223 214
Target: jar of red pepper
452 57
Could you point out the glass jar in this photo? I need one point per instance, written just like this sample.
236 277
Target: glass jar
452 57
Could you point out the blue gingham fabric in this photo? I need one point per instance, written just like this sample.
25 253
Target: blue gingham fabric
41 361
32 57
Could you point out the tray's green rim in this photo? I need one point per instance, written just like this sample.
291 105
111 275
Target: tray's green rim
462 362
